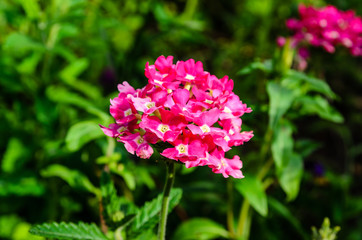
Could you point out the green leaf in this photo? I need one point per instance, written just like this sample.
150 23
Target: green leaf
284 212
313 84
29 64
62 95
281 98
148 215
20 185
265 66
82 133
252 189
74 178
282 144
200 229
19 44
13 156
289 164
319 106
31 8
63 230
117 212
290 176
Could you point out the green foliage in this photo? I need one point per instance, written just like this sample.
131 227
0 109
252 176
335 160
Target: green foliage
200 229
281 98
63 230
252 189
82 133
74 178
147 216
325 232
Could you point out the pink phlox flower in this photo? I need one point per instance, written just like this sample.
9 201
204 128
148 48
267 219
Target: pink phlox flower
167 128
121 110
226 166
234 108
114 130
327 27
137 143
190 72
186 146
204 122
145 105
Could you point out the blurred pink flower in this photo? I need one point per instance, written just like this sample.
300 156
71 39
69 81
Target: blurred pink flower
327 27
185 106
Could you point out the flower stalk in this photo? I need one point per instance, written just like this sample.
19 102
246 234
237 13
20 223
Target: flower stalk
170 176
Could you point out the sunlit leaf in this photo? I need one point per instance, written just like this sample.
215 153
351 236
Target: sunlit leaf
252 189
201 229
83 231
82 133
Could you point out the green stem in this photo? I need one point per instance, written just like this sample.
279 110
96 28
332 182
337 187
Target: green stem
230 212
170 176
243 218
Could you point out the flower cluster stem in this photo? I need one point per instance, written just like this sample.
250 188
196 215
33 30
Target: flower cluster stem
170 176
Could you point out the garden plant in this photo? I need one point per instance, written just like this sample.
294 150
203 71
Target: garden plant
180 119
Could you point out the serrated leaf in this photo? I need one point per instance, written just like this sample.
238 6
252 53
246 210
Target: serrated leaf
82 133
314 84
74 178
200 229
148 215
63 230
117 212
319 106
281 98
252 189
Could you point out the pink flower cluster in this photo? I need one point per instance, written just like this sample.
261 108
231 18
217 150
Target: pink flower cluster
327 27
196 113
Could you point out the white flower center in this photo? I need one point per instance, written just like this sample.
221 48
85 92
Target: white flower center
208 101
189 77
164 75
150 105
227 138
158 82
163 128
231 132
139 140
121 129
181 148
323 23
128 112
205 128
227 110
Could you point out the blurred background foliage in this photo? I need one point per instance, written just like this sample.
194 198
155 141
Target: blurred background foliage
60 62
